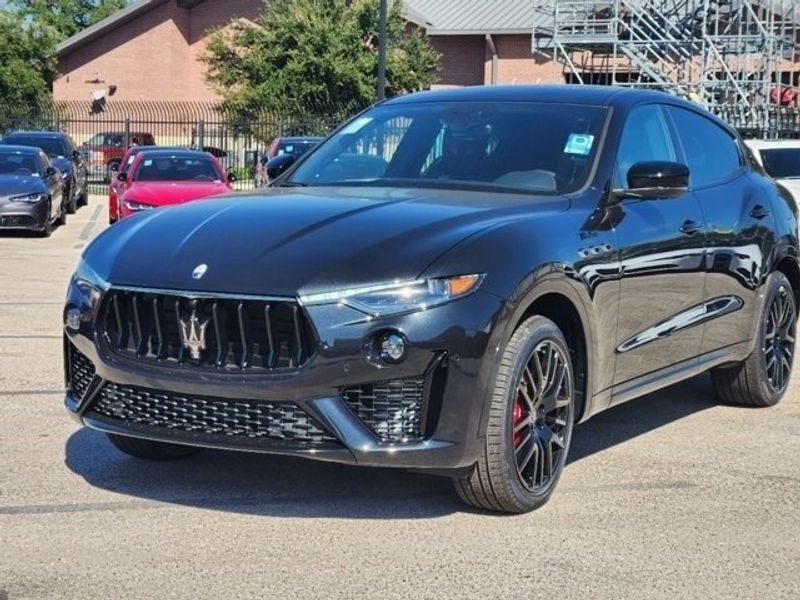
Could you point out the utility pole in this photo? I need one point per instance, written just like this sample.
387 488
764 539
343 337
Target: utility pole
382 50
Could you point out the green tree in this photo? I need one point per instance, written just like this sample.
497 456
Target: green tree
27 66
315 58
67 17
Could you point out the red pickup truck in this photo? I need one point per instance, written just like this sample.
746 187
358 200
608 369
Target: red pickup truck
105 150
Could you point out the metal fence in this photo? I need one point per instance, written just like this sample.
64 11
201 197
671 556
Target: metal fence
238 140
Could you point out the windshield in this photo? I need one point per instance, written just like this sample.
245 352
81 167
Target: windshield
530 147
176 168
50 146
18 164
782 163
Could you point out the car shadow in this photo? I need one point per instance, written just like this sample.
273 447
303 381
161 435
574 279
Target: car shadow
280 486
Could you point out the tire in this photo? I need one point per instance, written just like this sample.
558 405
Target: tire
763 378
84 198
151 450
62 218
71 206
503 480
47 231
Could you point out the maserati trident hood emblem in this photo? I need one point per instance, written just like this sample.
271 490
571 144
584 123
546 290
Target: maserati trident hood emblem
193 334
199 271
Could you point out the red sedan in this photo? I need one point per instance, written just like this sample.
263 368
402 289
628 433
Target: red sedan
116 186
164 177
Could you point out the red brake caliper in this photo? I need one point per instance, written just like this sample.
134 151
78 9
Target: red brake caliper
517 414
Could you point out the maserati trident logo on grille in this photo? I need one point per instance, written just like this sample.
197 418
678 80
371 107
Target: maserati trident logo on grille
199 271
193 334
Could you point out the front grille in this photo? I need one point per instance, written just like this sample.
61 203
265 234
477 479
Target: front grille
391 409
275 421
17 221
80 372
208 333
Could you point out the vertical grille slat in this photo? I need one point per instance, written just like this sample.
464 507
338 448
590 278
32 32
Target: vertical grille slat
159 351
138 338
241 316
236 334
218 332
270 358
298 343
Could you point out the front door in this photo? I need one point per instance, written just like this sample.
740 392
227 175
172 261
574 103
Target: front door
661 245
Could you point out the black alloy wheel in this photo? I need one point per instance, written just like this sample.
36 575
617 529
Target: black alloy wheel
779 336
763 378
540 417
530 417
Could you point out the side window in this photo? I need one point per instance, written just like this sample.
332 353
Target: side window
44 162
711 152
645 137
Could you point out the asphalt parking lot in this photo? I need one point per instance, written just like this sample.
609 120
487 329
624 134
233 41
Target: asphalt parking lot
670 496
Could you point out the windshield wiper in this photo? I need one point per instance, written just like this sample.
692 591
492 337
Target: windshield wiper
292 184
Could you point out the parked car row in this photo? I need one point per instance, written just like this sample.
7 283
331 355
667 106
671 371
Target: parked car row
43 178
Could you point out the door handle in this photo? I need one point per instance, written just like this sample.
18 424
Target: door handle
690 228
759 212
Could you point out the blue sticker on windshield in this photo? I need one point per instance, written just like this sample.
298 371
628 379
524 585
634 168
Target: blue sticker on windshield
579 143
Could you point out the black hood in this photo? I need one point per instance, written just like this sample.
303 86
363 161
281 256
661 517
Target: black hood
14 185
289 241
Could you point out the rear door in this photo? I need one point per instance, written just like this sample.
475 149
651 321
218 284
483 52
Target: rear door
661 248
739 227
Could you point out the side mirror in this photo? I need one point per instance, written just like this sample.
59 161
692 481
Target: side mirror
50 171
122 177
278 165
656 179
232 177
77 155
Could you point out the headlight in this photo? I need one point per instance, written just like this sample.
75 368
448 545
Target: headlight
89 283
400 297
135 206
28 198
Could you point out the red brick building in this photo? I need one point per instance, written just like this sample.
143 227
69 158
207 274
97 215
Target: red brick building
151 49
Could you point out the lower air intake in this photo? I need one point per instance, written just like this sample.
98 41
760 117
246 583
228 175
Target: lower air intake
391 409
275 421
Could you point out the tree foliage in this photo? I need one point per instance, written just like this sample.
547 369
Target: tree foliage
27 66
67 17
315 58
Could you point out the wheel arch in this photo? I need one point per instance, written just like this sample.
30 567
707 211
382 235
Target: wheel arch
788 265
560 300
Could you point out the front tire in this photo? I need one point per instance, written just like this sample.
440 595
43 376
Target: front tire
149 449
529 429
763 378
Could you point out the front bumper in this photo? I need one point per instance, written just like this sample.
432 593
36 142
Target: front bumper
451 340
23 215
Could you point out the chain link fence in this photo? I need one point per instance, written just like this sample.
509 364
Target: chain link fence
237 138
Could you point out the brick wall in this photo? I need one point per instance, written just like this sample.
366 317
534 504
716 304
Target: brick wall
153 57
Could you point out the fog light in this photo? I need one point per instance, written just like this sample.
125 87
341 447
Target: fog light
72 321
393 347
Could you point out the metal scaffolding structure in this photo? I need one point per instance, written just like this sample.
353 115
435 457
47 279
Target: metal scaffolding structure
738 58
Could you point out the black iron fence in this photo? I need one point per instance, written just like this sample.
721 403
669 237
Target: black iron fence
238 139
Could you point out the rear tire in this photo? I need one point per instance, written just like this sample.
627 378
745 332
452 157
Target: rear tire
149 449
84 198
71 205
763 378
530 423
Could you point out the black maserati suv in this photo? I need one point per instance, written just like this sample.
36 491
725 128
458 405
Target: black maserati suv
449 282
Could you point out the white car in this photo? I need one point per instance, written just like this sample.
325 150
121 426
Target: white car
781 160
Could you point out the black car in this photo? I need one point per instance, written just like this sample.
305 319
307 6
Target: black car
65 156
449 282
293 146
31 190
